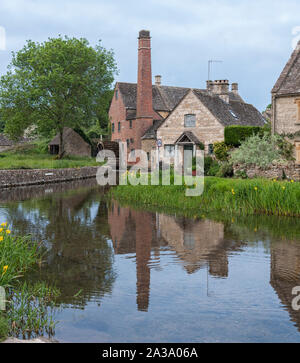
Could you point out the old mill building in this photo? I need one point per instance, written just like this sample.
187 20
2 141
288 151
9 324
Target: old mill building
143 113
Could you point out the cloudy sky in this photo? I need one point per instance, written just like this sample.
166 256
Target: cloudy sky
253 38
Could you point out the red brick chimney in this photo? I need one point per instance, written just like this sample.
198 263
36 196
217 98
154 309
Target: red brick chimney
144 108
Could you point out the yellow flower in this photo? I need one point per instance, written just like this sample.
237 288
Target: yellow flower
232 191
8 231
1 229
1 238
4 269
292 181
255 229
283 188
255 188
4 224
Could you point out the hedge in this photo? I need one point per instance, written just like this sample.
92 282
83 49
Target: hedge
235 134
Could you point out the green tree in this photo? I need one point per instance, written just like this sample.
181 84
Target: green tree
56 84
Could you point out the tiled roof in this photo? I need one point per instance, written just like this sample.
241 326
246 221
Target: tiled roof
166 98
289 80
232 113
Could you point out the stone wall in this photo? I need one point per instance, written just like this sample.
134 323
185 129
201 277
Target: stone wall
12 178
208 130
286 115
291 170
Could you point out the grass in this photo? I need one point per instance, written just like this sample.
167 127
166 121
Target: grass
235 196
29 308
33 156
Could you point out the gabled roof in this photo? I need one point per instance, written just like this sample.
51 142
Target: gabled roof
190 136
67 134
165 98
289 80
232 113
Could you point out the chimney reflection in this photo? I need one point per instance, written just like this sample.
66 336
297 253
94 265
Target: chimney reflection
196 243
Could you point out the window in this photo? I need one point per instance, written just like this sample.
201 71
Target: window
148 155
127 141
189 120
130 124
117 94
119 126
132 141
112 127
169 151
210 149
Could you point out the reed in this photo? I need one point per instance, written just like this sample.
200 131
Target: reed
235 196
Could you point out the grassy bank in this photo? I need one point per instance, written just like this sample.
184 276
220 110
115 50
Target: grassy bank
33 156
29 307
235 196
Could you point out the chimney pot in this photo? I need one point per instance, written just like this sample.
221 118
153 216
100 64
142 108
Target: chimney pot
234 87
158 80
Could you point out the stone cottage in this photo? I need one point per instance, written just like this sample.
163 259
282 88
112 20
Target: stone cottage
163 118
286 102
73 144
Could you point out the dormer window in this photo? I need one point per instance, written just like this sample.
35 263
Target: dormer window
233 114
189 120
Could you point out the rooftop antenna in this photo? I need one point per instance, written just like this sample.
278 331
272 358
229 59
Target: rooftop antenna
210 62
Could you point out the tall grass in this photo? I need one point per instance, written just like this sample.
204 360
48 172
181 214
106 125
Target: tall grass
30 308
255 196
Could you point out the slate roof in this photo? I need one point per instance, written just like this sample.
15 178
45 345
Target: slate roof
68 133
190 136
232 113
289 79
166 98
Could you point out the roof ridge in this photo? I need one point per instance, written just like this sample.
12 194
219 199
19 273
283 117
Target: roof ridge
286 70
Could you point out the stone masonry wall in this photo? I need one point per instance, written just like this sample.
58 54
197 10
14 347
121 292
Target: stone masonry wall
291 170
208 130
12 178
286 111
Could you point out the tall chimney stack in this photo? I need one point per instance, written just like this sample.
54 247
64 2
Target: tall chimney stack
144 107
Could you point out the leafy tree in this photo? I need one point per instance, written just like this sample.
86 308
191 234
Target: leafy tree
59 83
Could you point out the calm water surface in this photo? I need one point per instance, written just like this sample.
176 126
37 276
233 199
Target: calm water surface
153 277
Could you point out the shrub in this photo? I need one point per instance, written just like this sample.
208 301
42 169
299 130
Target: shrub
257 151
225 170
214 169
235 134
221 151
208 161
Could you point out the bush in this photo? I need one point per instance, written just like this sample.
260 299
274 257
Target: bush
214 169
257 151
235 134
225 170
208 161
221 151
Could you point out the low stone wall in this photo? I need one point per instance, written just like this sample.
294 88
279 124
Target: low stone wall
291 171
13 178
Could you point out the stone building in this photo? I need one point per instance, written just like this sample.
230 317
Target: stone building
73 144
286 101
142 113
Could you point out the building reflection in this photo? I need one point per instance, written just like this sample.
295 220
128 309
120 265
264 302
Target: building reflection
197 244
285 274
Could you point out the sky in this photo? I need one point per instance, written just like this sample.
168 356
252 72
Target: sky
252 38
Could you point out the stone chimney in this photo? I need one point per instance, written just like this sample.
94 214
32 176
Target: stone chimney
158 80
144 108
220 86
235 88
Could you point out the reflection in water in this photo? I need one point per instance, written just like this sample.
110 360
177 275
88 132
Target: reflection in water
252 265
